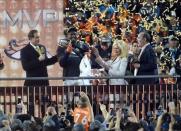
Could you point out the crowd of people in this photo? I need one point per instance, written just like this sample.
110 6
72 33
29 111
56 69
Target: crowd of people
80 117
103 23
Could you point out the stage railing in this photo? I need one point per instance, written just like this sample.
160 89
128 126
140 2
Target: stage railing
142 98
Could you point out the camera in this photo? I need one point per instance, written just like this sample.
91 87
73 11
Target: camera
113 112
159 111
62 116
149 116
125 112
19 100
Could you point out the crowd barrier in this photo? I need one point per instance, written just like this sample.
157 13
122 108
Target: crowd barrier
142 98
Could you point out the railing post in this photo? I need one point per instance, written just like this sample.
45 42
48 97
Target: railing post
40 102
154 97
10 99
63 95
28 95
138 100
143 101
149 100
103 95
132 95
166 92
57 95
5 111
114 96
126 95
34 100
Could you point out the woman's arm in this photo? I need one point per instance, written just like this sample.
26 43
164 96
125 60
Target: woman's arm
121 70
103 109
99 59
82 94
102 63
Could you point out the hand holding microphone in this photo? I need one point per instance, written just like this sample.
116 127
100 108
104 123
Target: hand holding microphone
42 54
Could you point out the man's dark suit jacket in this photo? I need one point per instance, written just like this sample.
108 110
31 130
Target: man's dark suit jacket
148 66
34 67
69 62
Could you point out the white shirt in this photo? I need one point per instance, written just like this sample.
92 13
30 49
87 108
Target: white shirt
85 70
33 46
38 49
142 49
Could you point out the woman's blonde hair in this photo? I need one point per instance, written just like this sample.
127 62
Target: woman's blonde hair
122 46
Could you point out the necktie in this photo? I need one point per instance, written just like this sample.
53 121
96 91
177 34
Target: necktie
38 50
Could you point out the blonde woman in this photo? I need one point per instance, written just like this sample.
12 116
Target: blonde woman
117 65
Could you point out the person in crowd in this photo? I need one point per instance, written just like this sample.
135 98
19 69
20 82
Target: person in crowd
104 48
133 54
78 127
178 68
34 61
170 54
1 62
83 113
169 59
118 63
51 119
16 125
123 119
69 58
20 107
169 120
157 44
85 68
147 64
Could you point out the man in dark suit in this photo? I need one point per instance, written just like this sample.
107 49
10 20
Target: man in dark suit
34 61
147 60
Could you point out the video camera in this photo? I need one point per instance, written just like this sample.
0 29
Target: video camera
149 116
159 111
125 111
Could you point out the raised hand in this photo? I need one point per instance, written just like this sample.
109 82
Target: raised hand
69 48
94 51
